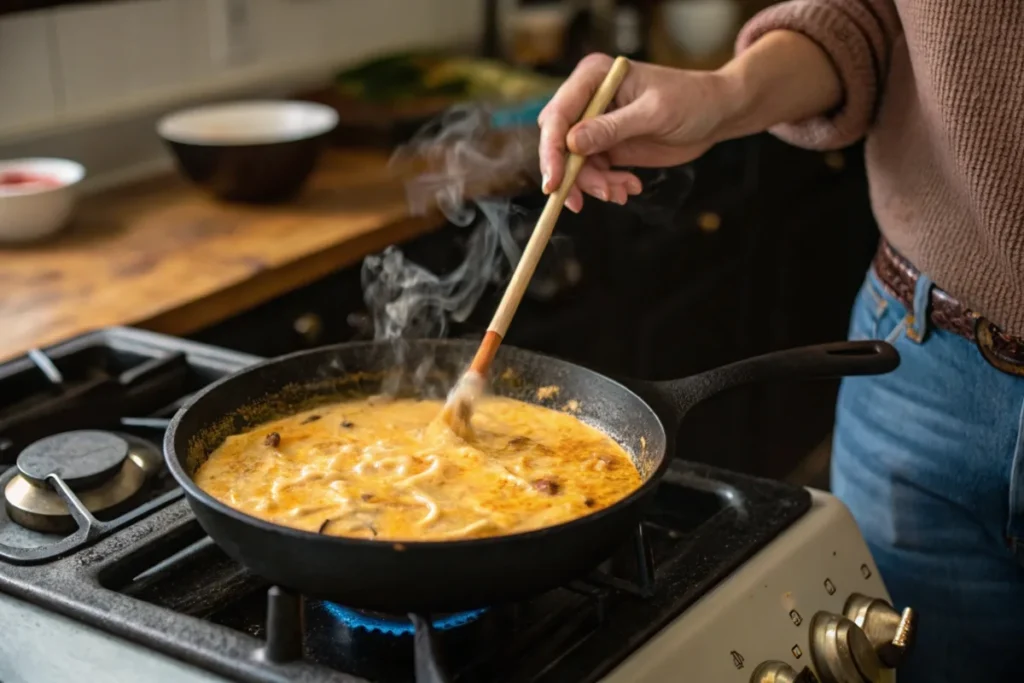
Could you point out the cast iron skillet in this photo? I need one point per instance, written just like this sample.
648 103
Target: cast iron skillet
447 576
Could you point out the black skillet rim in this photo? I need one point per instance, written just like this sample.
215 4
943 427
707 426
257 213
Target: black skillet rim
194 494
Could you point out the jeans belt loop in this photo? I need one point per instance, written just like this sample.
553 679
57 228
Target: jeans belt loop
917 324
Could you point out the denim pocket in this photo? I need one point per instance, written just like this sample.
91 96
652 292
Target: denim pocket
876 313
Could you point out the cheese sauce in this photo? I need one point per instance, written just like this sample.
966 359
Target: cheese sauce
386 470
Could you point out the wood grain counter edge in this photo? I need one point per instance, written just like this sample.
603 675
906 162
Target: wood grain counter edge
266 285
162 256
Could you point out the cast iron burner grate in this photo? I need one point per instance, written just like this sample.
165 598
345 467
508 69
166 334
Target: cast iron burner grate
66 429
704 523
152 577
390 648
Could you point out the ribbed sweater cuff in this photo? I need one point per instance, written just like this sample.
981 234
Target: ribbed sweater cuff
850 50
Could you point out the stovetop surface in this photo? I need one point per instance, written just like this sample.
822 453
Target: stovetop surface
152 576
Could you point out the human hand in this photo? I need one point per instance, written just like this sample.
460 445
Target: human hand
659 117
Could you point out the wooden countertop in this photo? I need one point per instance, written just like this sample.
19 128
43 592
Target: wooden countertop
163 256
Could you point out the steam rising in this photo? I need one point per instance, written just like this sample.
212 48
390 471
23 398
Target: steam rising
463 160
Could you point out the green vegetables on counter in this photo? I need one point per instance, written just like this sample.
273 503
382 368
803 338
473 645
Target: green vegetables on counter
411 76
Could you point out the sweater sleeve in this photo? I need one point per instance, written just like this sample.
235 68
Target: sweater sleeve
858 36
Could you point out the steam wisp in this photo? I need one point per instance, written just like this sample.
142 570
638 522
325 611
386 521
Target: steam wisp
459 407
460 162
461 158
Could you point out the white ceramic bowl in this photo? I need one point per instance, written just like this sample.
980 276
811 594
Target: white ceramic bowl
701 27
250 122
36 197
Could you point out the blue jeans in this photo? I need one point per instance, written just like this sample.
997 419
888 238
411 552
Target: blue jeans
930 460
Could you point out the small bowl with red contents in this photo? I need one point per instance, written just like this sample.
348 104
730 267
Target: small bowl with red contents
36 197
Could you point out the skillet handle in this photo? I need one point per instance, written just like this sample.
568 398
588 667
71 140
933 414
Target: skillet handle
822 361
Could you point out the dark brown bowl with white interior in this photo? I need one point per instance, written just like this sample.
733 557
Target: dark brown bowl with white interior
259 151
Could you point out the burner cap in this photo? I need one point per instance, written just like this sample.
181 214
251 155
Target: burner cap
83 459
31 502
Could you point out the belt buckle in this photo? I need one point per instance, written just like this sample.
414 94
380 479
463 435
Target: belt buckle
985 338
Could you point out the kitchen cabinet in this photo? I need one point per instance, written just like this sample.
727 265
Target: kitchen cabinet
810 237
767 252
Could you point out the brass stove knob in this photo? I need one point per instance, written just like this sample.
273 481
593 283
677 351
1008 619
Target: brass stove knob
890 632
774 672
841 652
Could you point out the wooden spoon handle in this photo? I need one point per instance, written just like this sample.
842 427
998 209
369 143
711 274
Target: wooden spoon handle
545 225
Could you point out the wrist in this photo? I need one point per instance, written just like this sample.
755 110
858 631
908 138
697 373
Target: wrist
735 103
783 77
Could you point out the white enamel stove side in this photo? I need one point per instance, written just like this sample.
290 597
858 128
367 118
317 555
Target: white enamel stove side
763 610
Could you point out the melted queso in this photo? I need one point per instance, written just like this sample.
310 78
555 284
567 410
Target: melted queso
386 470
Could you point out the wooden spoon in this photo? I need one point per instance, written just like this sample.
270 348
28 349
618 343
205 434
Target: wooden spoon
459 406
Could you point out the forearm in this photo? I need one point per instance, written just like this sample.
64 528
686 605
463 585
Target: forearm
784 77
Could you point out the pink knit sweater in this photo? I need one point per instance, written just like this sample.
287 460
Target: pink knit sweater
937 86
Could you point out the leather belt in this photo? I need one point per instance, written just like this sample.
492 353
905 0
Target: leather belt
899 277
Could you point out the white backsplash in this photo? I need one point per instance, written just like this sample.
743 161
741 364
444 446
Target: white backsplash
87 82
26 71
105 53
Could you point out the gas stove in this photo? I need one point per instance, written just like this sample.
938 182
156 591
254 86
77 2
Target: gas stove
108 577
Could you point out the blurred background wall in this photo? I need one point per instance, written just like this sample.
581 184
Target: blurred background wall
88 79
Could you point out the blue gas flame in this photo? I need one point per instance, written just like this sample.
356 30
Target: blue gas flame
396 626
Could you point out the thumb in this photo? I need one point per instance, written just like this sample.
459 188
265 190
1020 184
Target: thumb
601 133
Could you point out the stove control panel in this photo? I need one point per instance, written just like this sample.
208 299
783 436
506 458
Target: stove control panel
808 608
